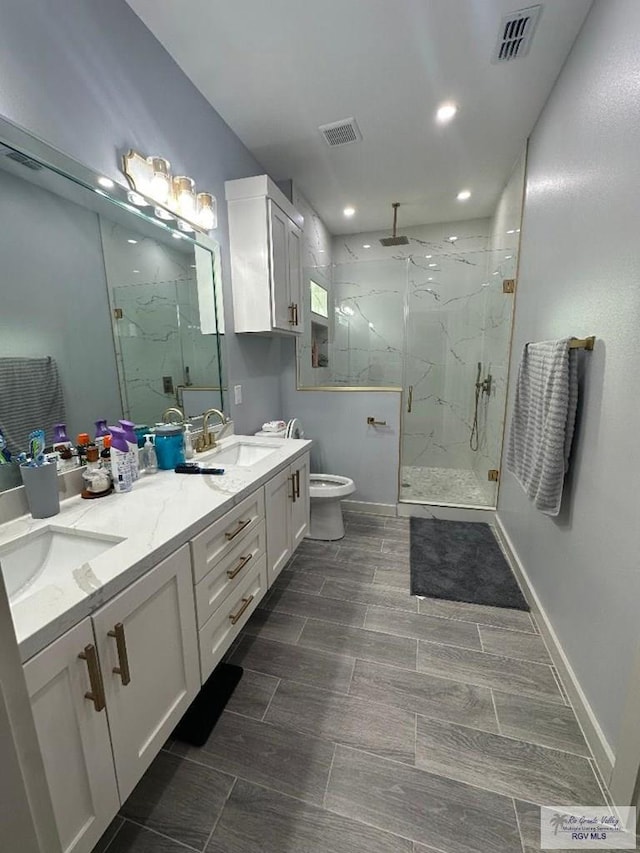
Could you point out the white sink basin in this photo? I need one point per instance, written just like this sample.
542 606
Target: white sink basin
48 557
241 454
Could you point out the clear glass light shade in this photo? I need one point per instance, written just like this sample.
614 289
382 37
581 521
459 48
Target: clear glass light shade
184 194
137 199
161 213
160 181
207 216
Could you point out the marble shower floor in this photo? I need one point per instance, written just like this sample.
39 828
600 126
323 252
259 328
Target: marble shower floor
370 721
445 485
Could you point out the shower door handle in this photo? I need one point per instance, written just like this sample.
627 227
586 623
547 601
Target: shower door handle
410 399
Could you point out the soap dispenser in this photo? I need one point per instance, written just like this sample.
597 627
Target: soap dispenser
149 458
188 442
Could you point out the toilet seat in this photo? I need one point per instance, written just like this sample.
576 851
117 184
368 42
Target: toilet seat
330 486
294 429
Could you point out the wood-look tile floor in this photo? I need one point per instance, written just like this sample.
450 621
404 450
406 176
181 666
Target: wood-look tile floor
370 721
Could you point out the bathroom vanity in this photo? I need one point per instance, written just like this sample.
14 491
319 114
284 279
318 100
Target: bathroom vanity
124 606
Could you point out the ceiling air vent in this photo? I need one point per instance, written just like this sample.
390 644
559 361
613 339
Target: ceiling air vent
516 33
342 132
24 160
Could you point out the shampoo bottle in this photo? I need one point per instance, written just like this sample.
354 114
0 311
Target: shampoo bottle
132 441
120 461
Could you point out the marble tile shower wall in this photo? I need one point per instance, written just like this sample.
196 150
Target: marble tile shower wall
450 299
159 332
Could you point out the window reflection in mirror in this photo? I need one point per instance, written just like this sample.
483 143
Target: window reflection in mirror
100 315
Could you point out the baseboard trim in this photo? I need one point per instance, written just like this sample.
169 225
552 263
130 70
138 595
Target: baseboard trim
372 508
602 752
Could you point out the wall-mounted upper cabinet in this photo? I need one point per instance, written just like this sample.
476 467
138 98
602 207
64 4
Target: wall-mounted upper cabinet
265 237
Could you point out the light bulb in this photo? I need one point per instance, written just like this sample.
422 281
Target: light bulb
349 211
185 196
446 112
464 195
160 183
207 216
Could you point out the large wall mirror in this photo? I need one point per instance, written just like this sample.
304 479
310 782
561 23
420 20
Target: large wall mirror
105 312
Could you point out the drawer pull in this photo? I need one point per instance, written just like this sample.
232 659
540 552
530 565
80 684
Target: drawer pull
123 659
231 573
233 533
96 694
297 475
293 487
292 320
245 603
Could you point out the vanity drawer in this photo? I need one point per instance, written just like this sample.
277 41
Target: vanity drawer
229 572
229 619
208 547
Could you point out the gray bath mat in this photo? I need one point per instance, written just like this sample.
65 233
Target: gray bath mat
461 561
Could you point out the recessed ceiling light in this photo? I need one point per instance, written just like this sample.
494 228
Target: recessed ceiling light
133 242
321 251
433 265
349 211
511 231
366 245
371 326
107 183
430 278
495 273
446 112
464 195
136 270
508 257
428 256
453 239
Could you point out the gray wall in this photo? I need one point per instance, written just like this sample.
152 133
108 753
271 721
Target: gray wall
344 444
54 298
579 275
91 80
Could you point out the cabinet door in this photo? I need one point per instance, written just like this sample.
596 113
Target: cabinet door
300 507
155 638
74 740
294 247
279 262
278 500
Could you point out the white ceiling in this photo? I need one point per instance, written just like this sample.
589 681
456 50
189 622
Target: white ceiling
276 70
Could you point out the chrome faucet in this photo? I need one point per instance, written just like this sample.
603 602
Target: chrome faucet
207 441
172 410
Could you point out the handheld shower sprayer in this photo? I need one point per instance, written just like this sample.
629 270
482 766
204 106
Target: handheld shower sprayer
482 386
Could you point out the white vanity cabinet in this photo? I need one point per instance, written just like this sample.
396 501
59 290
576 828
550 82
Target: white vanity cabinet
265 241
74 739
287 514
146 639
139 666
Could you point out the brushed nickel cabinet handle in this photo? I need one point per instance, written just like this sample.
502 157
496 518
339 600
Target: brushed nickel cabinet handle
96 694
233 533
297 476
295 314
410 399
293 487
231 573
374 422
292 319
123 659
245 603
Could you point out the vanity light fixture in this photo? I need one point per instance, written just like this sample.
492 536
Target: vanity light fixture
107 183
349 211
446 112
173 197
464 195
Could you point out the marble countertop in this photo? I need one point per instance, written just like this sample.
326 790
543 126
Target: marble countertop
161 513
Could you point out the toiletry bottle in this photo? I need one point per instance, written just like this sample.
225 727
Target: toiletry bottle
150 460
132 441
60 437
97 480
105 453
82 442
188 442
101 431
120 461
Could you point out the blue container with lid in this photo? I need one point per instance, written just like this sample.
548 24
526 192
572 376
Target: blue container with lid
169 445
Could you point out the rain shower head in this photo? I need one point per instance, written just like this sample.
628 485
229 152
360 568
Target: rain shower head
394 240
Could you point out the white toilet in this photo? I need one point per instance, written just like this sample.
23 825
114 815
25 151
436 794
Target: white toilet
325 491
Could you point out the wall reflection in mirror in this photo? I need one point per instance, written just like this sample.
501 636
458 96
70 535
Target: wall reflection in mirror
100 315
421 317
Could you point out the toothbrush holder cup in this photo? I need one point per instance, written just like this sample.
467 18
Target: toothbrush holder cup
41 487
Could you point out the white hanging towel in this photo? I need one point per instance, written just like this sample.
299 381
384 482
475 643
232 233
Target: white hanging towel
543 421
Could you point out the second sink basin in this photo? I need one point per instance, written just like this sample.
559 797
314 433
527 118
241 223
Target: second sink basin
48 557
242 454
